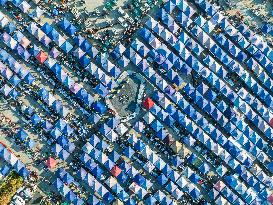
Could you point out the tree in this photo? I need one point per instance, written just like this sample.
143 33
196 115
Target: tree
9 187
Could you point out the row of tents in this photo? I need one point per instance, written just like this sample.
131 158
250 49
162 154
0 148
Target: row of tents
178 54
13 161
216 116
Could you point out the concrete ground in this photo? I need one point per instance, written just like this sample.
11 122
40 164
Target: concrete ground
91 5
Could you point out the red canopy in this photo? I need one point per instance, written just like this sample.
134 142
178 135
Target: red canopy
51 163
270 198
148 103
271 122
41 57
116 171
219 186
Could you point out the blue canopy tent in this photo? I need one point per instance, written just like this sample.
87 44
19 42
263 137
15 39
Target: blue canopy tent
102 145
93 52
139 126
204 168
14 94
56 68
55 133
94 140
159 196
67 178
118 51
64 23
85 157
99 107
139 145
270 166
70 147
22 135
150 23
115 71
30 143
7 73
85 46
156 125
78 201
29 78
162 115
3 2
82 94
15 80
112 136
56 148
92 199
68 130
102 90
70 196
46 28
11 159
84 61
105 129
195 193
63 154
123 196
143 65
108 198
87 148
60 172
66 47
97 172
64 190
128 152
59 39
60 124
79 40
68 27
62 140
113 122
117 188
63 111
5 170
130 202
162 179
29 111
170 187
174 176
47 126
123 61
114 156
82 173
58 183
69 82
53 34
141 193
170 6
132 172
24 172
43 93
109 164
5 153
71 29
57 106
18 166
